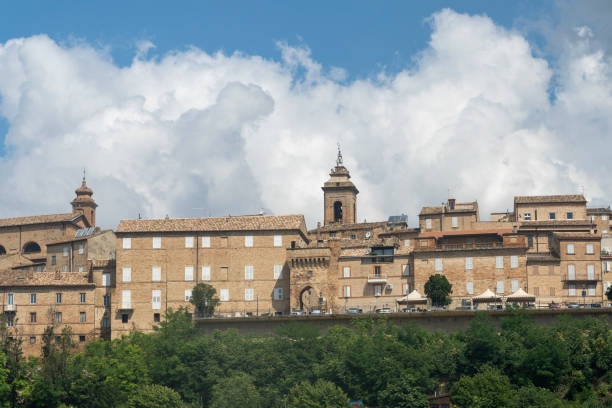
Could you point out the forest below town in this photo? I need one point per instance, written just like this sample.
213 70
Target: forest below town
518 364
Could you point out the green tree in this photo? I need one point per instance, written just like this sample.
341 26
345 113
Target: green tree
154 396
609 293
203 297
17 370
438 289
236 391
402 394
321 394
487 389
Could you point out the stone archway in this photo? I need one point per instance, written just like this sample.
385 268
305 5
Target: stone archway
308 298
31 248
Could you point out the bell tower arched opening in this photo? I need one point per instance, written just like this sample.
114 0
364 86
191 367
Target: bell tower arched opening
338 211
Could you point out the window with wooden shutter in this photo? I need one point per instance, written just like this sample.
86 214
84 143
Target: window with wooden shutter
248 272
127 274
156 299
468 263
156 242
156 273
438 264
205 242
248 241
189 273
514 262
189 242
499 262
206 273
278 241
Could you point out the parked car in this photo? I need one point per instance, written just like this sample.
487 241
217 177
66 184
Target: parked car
316 311
554 305
384 310
297 313
354 310
573 305
594 306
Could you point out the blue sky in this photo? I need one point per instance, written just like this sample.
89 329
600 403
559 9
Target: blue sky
483 98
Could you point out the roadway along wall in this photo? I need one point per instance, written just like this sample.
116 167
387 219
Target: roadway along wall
431 321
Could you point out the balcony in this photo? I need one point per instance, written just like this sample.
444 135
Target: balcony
10 308
582 278
377 278
125 306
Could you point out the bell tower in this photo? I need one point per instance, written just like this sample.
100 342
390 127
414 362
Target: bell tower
84 203
339 195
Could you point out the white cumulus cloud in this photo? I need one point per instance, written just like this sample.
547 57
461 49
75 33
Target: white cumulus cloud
192 134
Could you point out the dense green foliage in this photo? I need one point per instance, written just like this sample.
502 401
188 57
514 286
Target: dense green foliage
516 365
438 289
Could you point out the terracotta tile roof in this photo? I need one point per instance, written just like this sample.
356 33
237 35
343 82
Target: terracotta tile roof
439 234
575 198
544 223
232 223
14 260
45 279
347 227
598 211
577 235
38 219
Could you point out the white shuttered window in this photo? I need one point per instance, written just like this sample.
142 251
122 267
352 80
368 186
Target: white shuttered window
156 242
591 272
126 299
347 271
127 243
156 301
571 272
347 291
206 273
187 295
468 263
515 285
248 272
189 273
500 286
438 264
156 273
205 242
127 274
514 261
224 295
188 242
499 262
248 241
469 287
278 240
278 271
248 294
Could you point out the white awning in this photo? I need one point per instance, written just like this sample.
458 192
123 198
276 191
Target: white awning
520 296
486 296
412 298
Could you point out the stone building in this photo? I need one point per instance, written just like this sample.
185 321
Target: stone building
243 257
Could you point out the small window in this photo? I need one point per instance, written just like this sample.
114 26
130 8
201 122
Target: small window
81 338
248 241
278 240
499 262
106 300
82 317
571 272
591 289
278 271
248 272
347 291
206 273
106 279
552 216
156 242
58 317
81 249
570 249
589 249
377 270
187 295
53 260
156 274
468 263
278 293
127 274
127 243
438 264
515 285
10 319
156 299
428 223
591 272
32 317
32 298
514 262
65 251
82 297
189 273
248 294
346 272
570 216
124 318
405 270
407 242
11 299
156 317
469 287
205 242
455 222
527 216
58 298
188 242
224 295
353 236
378 290
500 287
32 339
